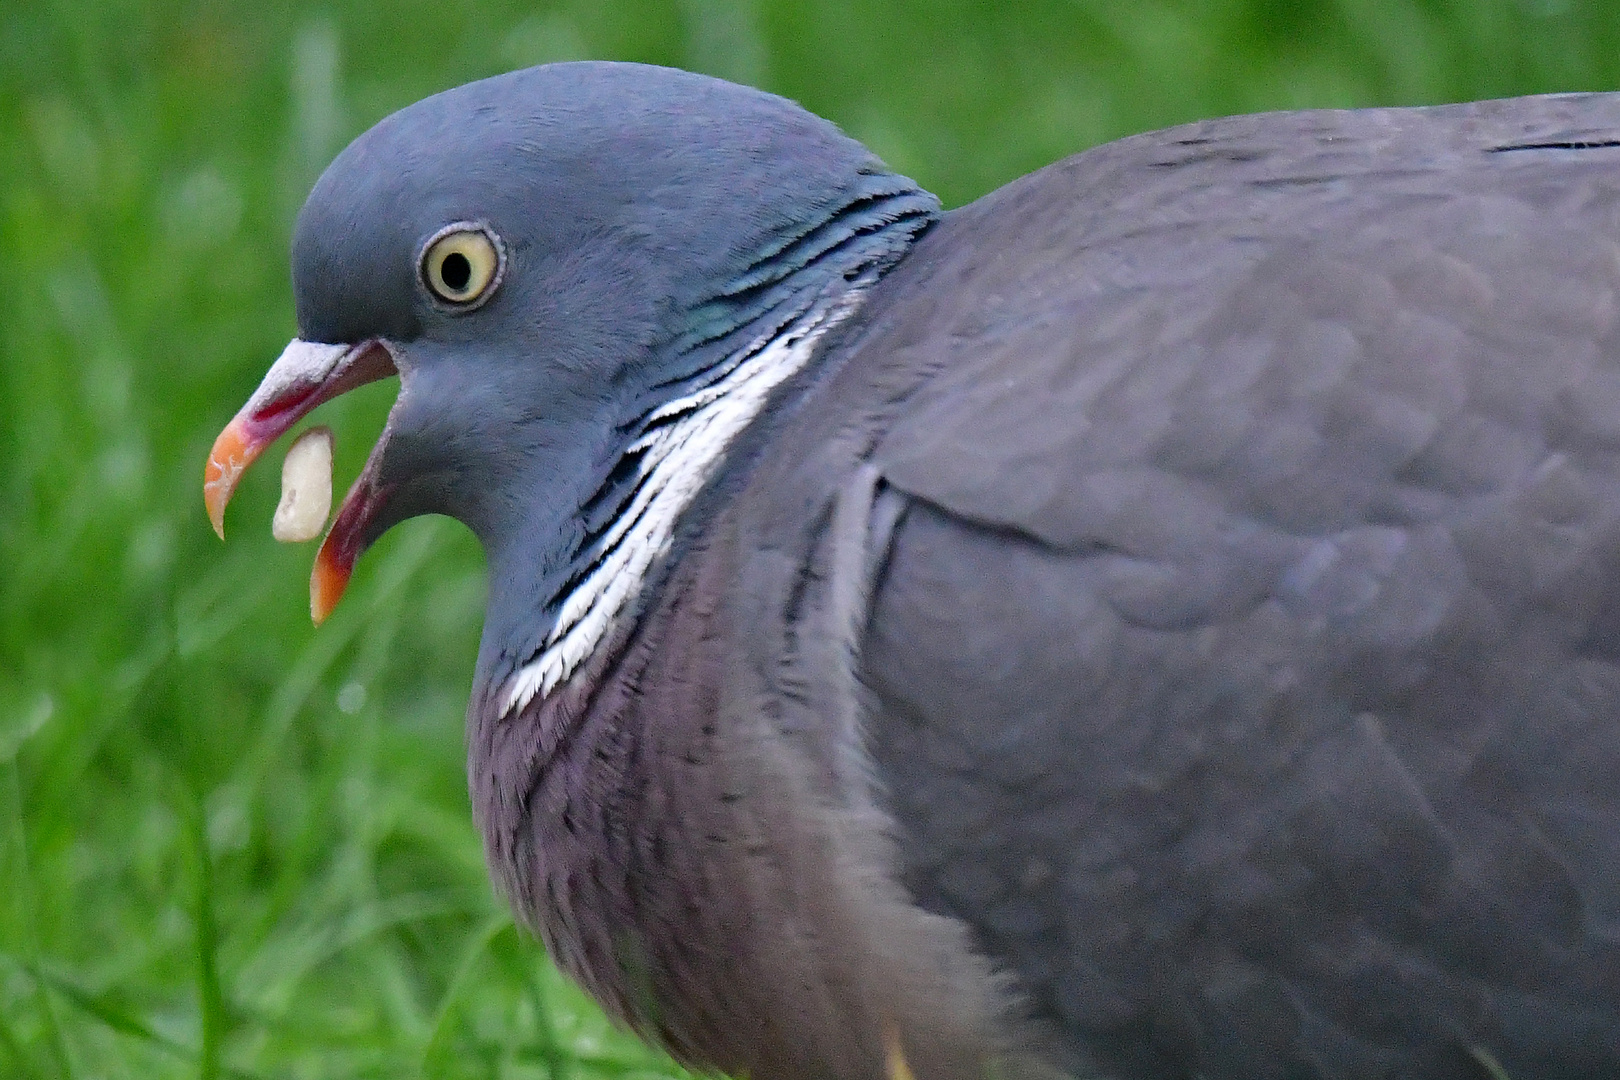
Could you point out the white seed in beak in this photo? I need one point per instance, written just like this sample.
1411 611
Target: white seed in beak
306 488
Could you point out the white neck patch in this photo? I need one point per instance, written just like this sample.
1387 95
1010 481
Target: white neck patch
677 459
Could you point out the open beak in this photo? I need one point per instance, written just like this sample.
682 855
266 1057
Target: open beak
306 374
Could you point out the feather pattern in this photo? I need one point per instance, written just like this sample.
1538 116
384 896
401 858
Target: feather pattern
674 461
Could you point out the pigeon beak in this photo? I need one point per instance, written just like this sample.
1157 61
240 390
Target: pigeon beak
306 374
346 539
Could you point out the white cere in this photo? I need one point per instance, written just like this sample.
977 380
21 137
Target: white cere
306 488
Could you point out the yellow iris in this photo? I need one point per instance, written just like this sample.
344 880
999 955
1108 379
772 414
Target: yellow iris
462 264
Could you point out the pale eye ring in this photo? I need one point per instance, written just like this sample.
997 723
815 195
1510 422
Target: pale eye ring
462 264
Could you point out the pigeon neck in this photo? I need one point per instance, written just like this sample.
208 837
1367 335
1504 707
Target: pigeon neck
739 348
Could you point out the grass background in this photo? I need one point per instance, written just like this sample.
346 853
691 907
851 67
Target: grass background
231 845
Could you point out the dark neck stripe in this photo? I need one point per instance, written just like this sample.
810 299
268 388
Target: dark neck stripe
764 328
863 239
869 232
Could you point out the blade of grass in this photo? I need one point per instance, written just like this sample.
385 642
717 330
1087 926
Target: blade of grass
24 898
1488 1062
211 1000
550 1049
475 948
14 1050
324 649
127 1024
288 958
111 1015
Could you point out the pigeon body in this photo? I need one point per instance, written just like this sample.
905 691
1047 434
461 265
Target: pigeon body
1159 620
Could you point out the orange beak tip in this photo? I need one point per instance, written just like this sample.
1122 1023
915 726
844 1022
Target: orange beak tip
215 499
327 582
233 452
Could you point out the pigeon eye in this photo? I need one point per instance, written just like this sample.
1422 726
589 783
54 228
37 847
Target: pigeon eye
462 264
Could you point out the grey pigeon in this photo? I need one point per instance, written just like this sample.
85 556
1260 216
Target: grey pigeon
1160 620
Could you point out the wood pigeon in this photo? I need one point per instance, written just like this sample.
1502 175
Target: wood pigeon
1160 620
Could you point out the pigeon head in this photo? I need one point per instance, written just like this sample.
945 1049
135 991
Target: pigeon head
563 265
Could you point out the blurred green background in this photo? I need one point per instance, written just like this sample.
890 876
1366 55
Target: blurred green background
231 845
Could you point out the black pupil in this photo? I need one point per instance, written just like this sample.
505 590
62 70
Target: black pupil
456 271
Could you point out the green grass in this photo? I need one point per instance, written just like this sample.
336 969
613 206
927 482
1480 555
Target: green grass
235 846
